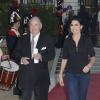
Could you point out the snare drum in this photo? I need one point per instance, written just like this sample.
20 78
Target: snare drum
8 74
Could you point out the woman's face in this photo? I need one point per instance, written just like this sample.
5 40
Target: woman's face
17 24
75 27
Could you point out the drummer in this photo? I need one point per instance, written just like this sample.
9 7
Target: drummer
13 35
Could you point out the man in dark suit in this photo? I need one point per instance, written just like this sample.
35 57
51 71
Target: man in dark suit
33 58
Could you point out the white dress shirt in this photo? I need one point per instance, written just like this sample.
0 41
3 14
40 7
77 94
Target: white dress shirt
35 50
35 39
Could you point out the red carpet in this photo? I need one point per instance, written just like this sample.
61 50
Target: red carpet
59 93
94 89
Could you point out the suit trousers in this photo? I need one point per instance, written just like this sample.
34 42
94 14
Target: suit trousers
38 93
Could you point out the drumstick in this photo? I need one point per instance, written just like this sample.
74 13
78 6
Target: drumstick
9 63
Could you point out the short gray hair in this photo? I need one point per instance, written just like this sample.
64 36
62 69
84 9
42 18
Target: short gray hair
35 18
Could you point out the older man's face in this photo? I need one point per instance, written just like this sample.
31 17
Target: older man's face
34 27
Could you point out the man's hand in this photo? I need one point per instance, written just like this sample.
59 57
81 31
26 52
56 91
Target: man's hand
24 60
37 56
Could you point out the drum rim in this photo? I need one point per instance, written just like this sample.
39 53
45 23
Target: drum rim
16 66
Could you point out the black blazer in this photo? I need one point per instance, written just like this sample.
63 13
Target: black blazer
34 74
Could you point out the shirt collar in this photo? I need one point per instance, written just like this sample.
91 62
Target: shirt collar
36 37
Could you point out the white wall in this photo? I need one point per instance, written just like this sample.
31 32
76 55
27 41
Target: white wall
73 3
25 1
98 2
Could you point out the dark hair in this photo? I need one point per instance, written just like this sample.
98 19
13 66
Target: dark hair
77 19
59 7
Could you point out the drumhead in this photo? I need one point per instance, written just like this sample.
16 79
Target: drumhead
10 66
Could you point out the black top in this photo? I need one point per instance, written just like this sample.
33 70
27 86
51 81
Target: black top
78 56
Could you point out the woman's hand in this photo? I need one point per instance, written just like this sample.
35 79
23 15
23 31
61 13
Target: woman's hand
61 81
86 69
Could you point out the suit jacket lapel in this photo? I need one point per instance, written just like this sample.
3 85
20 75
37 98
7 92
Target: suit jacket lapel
28 46
39 42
